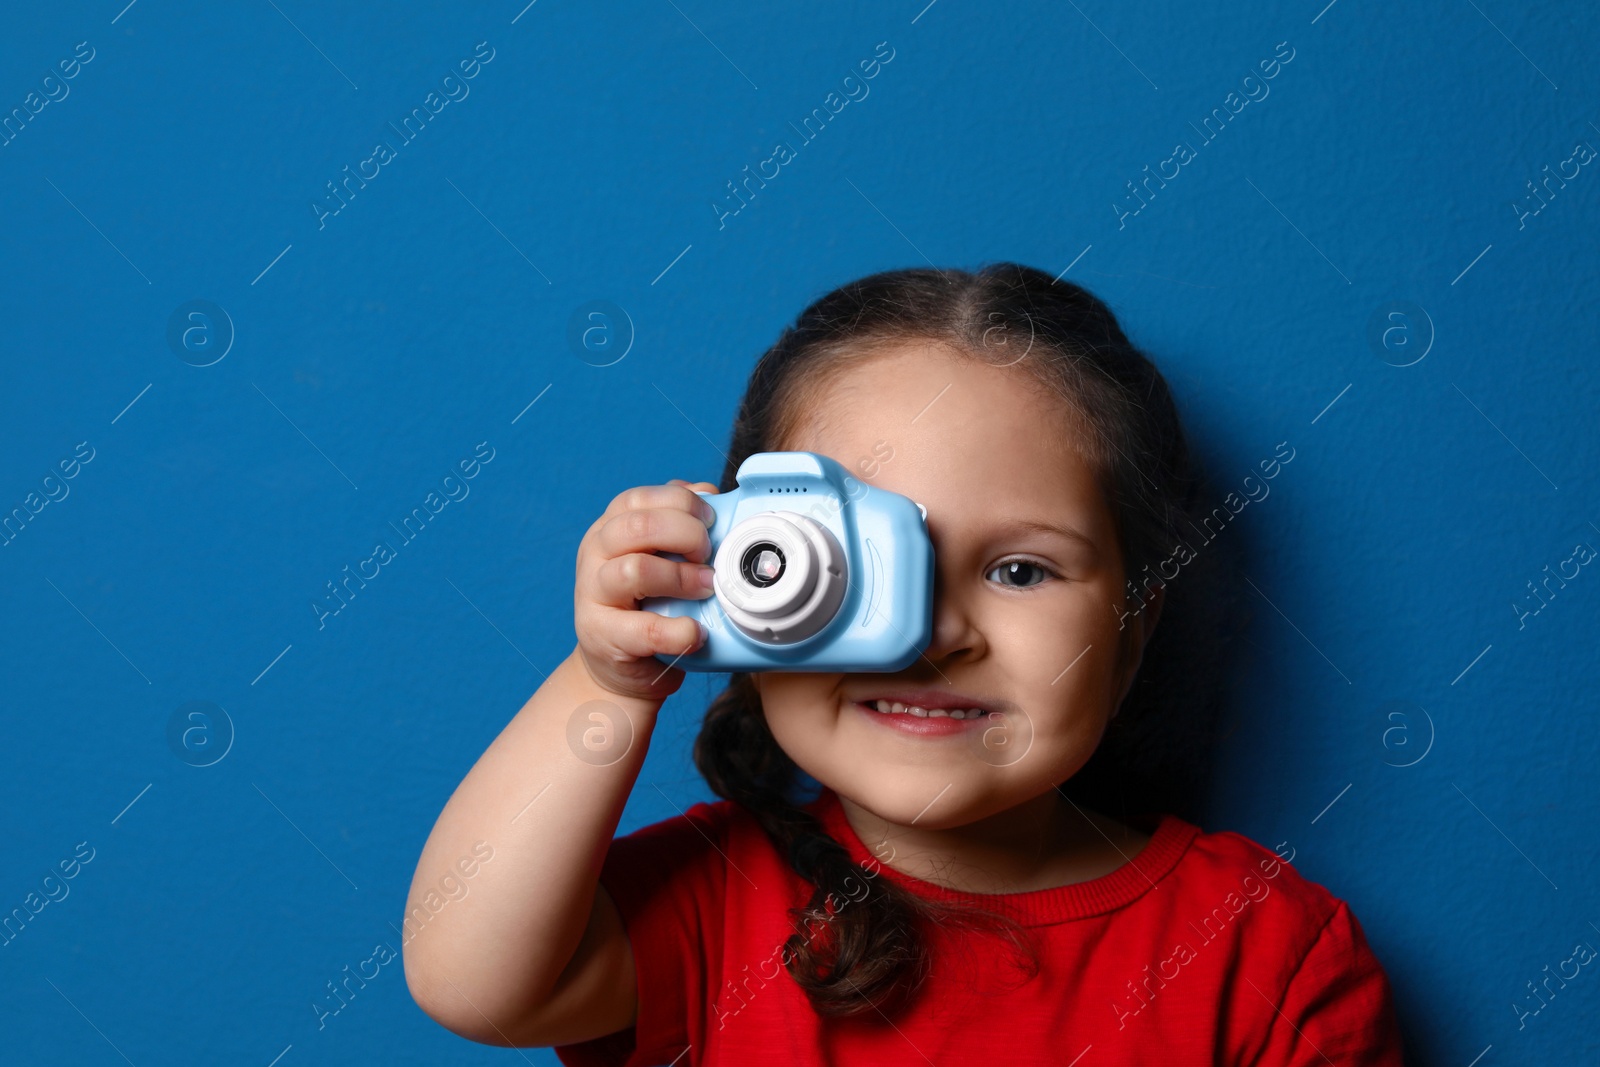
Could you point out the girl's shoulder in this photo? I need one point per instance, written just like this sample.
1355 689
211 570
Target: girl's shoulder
1229 860
1228 874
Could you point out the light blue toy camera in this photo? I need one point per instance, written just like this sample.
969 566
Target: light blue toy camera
815 571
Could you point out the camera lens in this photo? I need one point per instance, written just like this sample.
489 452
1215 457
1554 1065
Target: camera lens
762 564
781 576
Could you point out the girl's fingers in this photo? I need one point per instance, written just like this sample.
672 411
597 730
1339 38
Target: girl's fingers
622 581
643 497
664 529
644 633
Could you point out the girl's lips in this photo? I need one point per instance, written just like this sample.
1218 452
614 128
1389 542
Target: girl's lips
933 726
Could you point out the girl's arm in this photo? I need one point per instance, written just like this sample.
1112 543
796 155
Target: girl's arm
534 952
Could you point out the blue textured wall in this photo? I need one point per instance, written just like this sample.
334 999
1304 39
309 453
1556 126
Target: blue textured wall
1425 744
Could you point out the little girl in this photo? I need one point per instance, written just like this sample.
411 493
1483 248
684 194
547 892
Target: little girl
906 868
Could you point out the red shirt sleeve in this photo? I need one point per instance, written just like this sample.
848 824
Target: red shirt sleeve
667 881
1337 1007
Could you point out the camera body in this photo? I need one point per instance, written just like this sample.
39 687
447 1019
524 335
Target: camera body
815 571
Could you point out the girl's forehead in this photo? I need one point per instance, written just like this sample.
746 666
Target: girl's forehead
956 434
920 394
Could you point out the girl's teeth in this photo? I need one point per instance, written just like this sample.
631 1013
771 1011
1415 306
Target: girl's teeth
895 707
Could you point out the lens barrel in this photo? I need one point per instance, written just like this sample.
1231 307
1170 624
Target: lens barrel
780 576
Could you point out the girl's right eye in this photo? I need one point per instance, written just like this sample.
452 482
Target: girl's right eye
1018 573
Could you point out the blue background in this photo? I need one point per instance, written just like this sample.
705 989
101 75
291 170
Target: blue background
372 354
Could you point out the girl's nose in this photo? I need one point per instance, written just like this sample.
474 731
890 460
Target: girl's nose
955 631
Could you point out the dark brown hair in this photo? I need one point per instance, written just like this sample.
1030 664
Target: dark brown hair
871 954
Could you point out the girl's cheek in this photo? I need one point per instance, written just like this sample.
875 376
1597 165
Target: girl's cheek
1046 642
1074 701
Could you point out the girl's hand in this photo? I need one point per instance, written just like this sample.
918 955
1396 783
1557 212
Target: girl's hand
617 640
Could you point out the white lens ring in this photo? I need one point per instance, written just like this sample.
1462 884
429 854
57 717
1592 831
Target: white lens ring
806 594
793 586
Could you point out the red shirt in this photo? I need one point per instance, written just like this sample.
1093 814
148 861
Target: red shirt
1204 948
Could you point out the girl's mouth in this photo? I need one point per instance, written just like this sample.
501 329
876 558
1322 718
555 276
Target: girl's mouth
926 722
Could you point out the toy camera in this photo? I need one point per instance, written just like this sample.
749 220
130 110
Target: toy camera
815 571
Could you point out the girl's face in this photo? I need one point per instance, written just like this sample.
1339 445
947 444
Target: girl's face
1028 589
